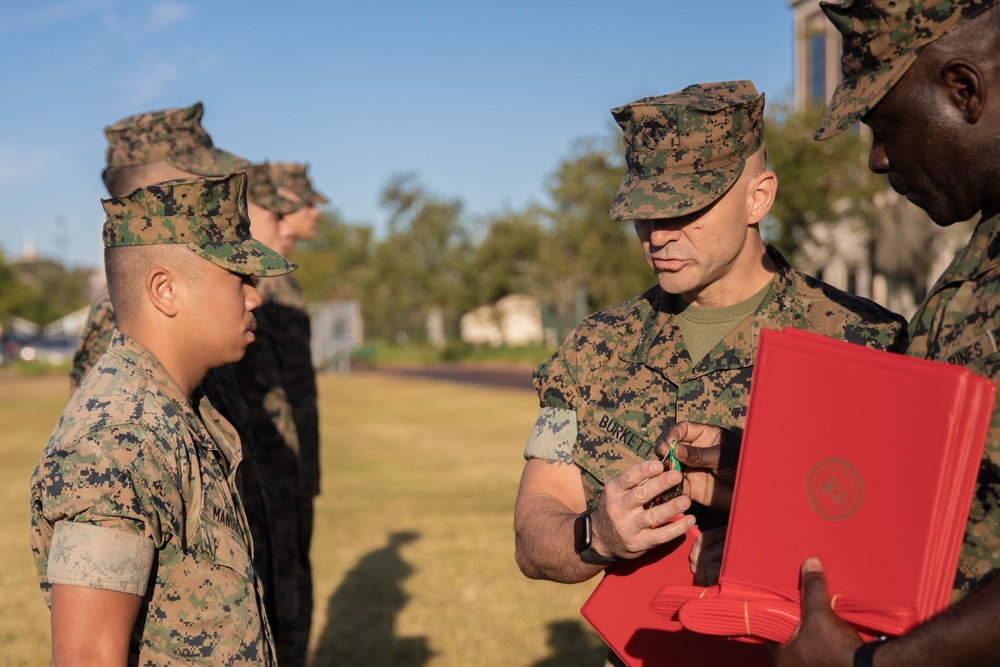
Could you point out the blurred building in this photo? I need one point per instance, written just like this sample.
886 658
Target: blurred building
337 331
68 325
896 256
515 320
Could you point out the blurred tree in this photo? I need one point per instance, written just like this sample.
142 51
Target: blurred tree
41 290
570 255
506 259
421 266
817 180
336 265
586 250
10 289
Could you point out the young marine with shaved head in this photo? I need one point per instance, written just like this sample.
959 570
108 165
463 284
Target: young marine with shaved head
139 532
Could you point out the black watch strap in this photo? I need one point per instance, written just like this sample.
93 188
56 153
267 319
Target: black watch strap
590 556
582 534
864 656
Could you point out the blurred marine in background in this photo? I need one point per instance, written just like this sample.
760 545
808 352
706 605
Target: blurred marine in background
271 399
144 149
284 303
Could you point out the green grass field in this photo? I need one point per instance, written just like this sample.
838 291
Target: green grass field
413 551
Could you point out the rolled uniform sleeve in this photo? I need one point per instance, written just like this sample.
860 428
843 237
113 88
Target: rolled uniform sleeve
83 554
96 525
553 436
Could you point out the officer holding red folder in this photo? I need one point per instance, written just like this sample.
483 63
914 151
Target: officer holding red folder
696 188
924 75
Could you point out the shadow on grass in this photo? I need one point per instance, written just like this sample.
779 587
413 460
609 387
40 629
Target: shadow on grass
361 619
573 645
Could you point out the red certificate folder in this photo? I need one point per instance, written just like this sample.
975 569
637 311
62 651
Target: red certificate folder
620 612
863 458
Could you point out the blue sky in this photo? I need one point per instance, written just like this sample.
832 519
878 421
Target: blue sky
481 99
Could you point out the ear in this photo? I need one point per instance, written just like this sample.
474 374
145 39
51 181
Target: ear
161 290
760 195
966 88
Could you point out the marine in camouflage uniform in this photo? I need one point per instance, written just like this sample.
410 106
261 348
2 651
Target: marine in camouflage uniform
612 392
175 140
919 74
136 491
284 310
288 306
278 446
285 305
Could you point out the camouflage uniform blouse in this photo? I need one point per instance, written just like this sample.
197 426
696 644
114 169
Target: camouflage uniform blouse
626 375
136 492
284 305
959 323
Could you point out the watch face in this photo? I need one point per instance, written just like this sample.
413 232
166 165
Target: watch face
581 532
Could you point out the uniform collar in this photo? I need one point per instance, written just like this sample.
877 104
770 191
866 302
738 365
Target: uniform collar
133 354
657 342
979 256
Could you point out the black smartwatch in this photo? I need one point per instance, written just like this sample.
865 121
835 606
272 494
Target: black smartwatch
582 533
864 655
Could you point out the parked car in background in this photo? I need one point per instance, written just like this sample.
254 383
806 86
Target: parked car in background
51 350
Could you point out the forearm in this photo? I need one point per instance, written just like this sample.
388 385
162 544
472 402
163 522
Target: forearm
543 545
965 634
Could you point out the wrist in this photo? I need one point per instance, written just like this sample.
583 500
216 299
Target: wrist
583 541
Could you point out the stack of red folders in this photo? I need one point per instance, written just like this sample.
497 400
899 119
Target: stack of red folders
863 458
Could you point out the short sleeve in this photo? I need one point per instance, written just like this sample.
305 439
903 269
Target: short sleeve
553 436
104 479
83 554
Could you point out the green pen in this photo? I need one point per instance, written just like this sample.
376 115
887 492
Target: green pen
674 463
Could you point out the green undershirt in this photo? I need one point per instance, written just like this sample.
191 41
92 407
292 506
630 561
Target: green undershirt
702 328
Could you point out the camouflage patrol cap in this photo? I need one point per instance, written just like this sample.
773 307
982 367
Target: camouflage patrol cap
173 135
264 193
207 215
293 176
686 149
882 39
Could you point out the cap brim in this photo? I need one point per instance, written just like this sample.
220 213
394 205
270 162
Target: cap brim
305 193
855 97
209 162
249 257
673 195
315 198
278 204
